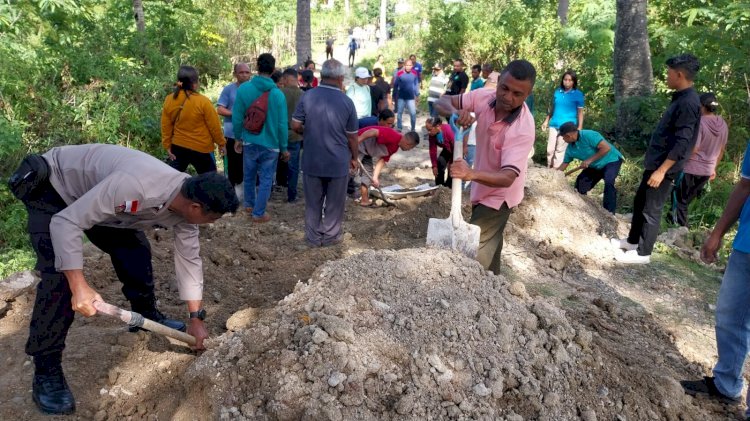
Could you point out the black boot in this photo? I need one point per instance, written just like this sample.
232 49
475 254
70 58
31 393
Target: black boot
50 391
158 317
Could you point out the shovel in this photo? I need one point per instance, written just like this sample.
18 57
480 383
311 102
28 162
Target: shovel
382 195
454 233
134 319
574 170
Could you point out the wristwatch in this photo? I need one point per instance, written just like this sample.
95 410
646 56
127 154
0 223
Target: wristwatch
200 314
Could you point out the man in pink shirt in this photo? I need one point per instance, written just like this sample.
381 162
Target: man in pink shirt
505 136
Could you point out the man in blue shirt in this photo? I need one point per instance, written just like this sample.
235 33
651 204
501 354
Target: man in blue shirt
224 108
599 160
732 317
407 84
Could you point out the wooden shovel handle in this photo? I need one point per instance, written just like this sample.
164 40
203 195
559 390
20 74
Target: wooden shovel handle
137 320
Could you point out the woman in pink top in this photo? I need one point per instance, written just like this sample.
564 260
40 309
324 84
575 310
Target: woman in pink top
701 167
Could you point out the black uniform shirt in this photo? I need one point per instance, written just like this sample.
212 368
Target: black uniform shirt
676 133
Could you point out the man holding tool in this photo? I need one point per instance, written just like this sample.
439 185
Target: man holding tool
111 194
599 160
505 136
376 146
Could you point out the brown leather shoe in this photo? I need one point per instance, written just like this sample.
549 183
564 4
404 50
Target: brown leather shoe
263 219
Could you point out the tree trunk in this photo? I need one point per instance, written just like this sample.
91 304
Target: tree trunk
346 8
383 31
562 11
302 36
140 22
633 75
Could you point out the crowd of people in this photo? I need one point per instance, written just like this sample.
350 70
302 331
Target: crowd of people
349 134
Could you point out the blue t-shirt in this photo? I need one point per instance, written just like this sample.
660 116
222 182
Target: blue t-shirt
368 121
226 100
407 85
418 68
566 107
328 115
586 147
742 240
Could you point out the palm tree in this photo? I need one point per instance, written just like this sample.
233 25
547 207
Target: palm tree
302 35
140 22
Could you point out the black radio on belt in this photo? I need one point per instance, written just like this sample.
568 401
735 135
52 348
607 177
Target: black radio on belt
32 172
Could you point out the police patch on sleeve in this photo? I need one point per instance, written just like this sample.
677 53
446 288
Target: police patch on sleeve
130 206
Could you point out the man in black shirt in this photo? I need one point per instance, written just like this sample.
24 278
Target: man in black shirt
670 146
458 81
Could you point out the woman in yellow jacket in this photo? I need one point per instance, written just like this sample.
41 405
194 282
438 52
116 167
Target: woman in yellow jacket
190 125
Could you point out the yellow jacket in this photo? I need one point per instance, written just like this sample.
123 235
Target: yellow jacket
198 126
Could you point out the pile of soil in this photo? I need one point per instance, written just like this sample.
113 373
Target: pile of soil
378 327
421 334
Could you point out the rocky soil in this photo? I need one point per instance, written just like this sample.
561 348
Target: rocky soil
380 328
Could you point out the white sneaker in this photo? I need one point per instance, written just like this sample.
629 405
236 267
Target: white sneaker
631 256
622 244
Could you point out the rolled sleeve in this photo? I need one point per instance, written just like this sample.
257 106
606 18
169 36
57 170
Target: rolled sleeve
96 206
187 262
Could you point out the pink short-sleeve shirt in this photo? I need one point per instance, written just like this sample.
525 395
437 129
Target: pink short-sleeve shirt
501 145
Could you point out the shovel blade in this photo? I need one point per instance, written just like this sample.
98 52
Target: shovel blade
464 238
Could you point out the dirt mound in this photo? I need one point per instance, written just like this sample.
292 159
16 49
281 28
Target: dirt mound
416 333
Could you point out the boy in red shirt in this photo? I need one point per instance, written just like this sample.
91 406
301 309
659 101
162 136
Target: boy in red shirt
376 146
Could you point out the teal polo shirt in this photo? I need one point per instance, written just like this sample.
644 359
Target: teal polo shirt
586 147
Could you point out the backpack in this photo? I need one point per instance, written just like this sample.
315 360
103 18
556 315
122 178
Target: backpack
255 115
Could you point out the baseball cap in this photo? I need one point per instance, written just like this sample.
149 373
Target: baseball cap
401 60
437 66
361 73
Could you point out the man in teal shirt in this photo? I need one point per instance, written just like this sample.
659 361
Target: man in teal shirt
599 160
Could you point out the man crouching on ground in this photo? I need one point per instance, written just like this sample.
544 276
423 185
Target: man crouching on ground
111 194
376 146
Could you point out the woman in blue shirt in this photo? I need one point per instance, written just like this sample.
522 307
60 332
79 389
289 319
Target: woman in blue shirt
567 105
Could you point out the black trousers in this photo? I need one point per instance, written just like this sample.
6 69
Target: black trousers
202 162
234 162
687 188
282 176
589 177
129 251
443 177
647 208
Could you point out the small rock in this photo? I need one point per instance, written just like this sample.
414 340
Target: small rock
112 375
518 289
481 390
242 319
17 284
389 377
100 415
551 399
319 336
217 296
583 338
588 415
465 406
164 365
405 404
336 378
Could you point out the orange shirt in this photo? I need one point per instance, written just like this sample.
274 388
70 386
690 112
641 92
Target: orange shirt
198 126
